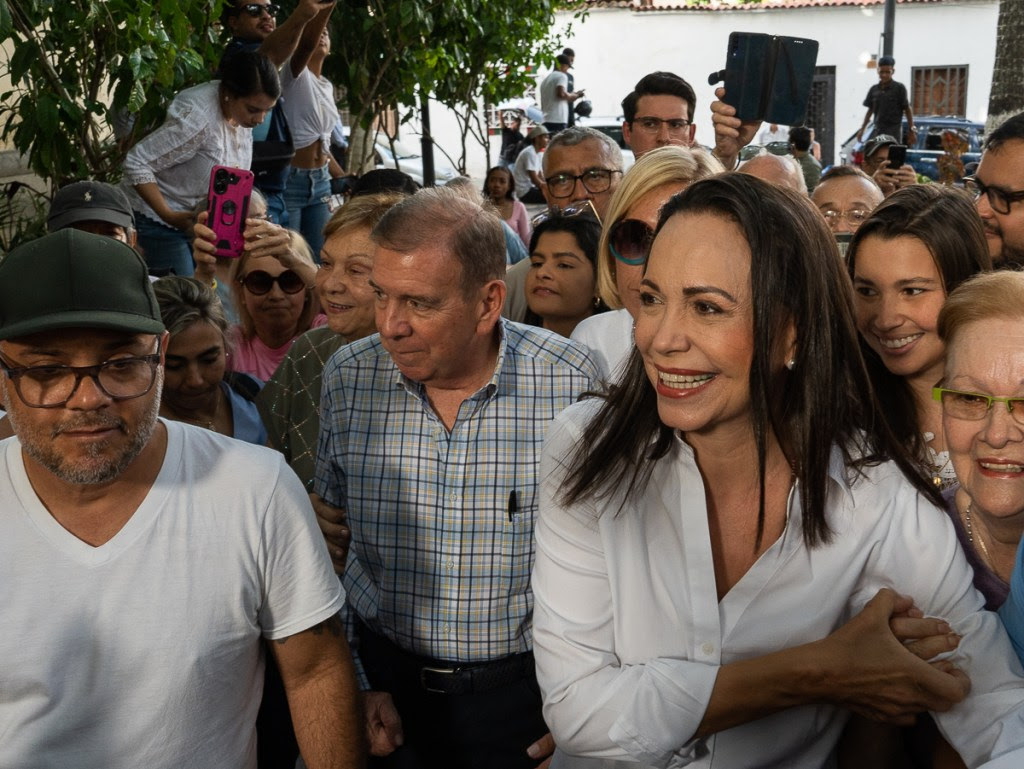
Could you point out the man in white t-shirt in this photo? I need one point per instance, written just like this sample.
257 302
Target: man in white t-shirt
528 172
555 97
144 561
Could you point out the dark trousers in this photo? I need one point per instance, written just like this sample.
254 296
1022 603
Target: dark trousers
554 127
481 730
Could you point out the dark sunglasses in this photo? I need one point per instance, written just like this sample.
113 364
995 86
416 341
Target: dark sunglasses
259 282
630 241
256 10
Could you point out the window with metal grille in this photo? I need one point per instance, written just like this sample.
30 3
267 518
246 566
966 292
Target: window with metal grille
939 90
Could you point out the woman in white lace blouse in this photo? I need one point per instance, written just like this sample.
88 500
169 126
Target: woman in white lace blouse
168 172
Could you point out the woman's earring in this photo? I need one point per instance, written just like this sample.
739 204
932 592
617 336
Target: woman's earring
791 364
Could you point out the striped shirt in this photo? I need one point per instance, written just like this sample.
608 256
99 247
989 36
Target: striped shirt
442 522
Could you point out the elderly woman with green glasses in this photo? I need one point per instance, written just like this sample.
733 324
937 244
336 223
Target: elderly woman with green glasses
982 397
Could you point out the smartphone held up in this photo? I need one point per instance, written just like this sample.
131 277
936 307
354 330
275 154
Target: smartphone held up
228 206
768 77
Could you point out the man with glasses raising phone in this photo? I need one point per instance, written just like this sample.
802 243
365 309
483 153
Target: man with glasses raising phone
147 560
998 189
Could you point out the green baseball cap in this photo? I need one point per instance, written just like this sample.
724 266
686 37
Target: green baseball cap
74 279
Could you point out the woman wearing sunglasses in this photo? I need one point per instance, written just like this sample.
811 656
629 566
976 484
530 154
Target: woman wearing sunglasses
632 215
275 302
561 286
198 389
916 247
718 536
167 173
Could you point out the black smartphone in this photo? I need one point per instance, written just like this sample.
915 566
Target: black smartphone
768 77
789 86
897 155
744 73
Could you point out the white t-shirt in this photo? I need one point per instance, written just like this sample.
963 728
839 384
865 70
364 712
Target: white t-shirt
308 106
528 160
555 110
609 337
145 651
629 633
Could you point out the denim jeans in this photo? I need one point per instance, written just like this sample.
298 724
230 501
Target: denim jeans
167 251
306 196
277 212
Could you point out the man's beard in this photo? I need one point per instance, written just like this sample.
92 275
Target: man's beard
39 446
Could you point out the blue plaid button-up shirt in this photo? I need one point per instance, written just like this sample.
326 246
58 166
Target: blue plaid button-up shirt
442 522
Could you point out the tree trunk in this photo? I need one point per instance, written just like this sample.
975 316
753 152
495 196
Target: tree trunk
1007 96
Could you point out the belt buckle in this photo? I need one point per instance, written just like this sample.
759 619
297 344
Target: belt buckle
441 671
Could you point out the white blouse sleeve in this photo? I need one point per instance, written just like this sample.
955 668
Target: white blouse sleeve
183 132
595 705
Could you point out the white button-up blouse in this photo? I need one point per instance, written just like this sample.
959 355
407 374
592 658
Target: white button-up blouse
629 634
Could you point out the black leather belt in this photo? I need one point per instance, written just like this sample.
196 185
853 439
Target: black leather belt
443 677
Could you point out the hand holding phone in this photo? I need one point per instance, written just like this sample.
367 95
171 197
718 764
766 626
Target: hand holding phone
228 206
897 155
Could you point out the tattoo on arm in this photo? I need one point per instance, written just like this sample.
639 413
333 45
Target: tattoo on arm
332 625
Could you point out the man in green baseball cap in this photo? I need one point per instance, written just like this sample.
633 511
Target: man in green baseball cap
146 560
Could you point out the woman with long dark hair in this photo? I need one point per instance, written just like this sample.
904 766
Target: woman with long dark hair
168 173
905 259
709 529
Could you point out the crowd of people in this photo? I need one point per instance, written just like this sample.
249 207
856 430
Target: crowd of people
729 471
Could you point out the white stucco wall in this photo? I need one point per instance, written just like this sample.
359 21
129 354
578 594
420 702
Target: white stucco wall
615 47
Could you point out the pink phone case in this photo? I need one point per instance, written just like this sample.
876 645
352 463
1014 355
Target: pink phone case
228 205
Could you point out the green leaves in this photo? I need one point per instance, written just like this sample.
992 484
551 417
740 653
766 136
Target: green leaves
75 64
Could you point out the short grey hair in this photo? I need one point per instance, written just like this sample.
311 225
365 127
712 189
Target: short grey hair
570 137
470 231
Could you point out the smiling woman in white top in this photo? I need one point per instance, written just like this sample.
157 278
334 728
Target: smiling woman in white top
905 259
715 535
168 172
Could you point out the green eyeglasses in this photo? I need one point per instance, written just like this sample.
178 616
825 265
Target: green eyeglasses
975 406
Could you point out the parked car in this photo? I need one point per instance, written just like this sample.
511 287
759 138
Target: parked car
923 156
410 161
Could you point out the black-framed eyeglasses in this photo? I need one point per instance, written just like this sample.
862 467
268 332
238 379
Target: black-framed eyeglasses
630 240
580 208
998 198
974 407
51 387
256 9
259 282
594 180
649 124
771 148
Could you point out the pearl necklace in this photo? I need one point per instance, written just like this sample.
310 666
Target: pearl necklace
970 537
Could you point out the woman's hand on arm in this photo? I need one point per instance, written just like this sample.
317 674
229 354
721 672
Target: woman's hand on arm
925 637
862 667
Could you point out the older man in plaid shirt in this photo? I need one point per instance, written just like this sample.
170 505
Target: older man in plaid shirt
430 438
